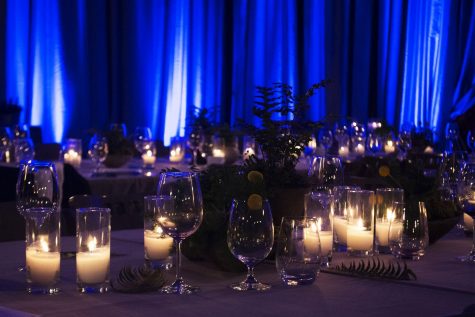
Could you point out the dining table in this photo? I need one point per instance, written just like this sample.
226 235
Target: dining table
444 287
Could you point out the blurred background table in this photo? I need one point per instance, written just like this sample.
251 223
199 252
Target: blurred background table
444 287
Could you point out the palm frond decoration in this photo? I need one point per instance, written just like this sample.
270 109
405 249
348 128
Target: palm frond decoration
374 268
138 280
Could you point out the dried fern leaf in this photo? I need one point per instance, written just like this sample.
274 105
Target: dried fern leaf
138 280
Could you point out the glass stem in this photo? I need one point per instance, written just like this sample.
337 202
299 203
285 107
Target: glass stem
250 279
472 252
178 260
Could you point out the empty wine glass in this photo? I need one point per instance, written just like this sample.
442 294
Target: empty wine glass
98 150
23 149
142 139
21 131
119 127
250 237
5 141
194 142
326 172
405 139
180 218
374 143
325 138
341 132
452 132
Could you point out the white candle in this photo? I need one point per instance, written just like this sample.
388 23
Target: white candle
339 225
72 157
148 158
359 149
343 151
389 147
93 266
42 265
218 153
382 227
247 153
467 222
428 150
326 242
176 154
310 241
157 246
359 238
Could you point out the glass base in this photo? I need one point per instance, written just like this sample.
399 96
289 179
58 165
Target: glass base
41 290
383 249
179 287
469 258
340 247
300 277
165 264
410 255
243 286
94 289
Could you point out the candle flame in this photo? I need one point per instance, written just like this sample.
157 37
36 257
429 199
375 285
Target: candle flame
390 215
92 244
359 224
44 245
158 230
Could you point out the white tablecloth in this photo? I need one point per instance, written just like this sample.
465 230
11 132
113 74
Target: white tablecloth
444 287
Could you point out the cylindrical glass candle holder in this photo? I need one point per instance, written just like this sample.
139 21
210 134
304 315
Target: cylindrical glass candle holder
72 152
158 246
149 155
177 149
340 215
360 229
385 214
248 147
319 206
218 146
298 253
93 249
42 250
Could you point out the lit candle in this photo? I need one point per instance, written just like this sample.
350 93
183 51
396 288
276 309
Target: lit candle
72 157
247 153
42 265
359 238
343 151
218 153
176 154
312 144
389 147
311 240
382 228
157 245
339 225
428 150
148 158
467 222
93 266
359 149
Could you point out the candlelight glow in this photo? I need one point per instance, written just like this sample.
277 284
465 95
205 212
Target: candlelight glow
92 244
44 245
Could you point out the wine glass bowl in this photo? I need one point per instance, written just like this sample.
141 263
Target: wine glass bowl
250 237
180 217
98 150
326 171
142 139
325 138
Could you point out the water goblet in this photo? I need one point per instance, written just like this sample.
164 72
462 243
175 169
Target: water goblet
250 237
142 138
195 139
326 171
23 149
325 138
179 217
98 150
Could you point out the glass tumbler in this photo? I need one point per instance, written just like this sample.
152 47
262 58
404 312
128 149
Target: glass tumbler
409 237
93 249
298 254
42 250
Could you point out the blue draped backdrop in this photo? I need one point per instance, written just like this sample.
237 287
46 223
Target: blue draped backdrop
75 65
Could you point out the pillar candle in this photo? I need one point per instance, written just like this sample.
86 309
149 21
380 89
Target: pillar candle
157 246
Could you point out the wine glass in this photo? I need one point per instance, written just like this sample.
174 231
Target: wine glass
5 140
326 172
23 149
180 218
194 141
405 139
98 150
341 132
119 128
374 143
21 131
142 139
325 138
452 132
467 198
250 237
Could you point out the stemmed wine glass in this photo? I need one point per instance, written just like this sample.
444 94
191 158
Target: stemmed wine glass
180 218
142 139
194 142
405 139
37 192
325 138
98 150
326 172
250 237
5 141
467 197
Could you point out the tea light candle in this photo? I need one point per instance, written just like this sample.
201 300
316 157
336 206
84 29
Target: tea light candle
148 158
310 241
72 157
359 149
343 151
389 147
339 225
42 265
359 238
176 154
218 153
93 266
247 153
157 245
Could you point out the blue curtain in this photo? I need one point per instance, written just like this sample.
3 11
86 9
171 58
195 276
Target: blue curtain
80 64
